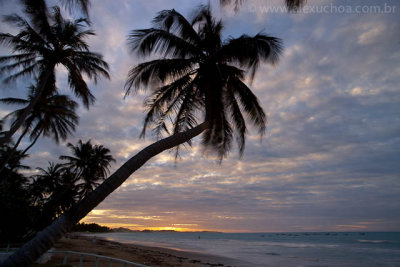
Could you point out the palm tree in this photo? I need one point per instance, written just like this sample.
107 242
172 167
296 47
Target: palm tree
14 162
15 203
40 46
90 163
202 73
45 182
53 116
54 191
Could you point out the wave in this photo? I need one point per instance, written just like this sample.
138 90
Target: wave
299 245
374 241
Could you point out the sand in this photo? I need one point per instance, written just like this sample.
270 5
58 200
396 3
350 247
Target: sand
150 256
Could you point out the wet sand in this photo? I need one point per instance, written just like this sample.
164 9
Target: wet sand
150 256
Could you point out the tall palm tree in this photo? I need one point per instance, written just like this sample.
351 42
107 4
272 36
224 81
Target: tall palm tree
202 74
53 116
43 43
90 163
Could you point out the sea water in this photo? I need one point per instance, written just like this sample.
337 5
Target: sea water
279 249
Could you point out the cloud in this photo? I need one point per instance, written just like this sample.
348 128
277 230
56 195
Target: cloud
329 157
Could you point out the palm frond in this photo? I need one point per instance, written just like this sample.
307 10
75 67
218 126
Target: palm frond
38 13
90 63
250 104
158 70
14 101
237 120
28 32
153 40
21 63
79 86
185 118
162 102
172 21
29 70
248 51
82 4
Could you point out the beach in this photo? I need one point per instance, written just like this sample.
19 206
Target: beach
146 255
312 249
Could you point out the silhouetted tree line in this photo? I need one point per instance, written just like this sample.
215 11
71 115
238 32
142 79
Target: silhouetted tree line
91 227
31 202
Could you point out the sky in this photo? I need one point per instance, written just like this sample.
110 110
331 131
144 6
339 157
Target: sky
329 160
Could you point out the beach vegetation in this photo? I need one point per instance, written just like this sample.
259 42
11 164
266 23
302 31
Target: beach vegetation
30 203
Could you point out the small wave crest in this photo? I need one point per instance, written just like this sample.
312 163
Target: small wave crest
374 241
299 245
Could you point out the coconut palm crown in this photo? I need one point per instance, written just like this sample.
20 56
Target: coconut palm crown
54 115
44 42
199 74
50 41
90 163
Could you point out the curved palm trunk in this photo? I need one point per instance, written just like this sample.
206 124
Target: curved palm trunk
12 152
33 143
44 240
29 108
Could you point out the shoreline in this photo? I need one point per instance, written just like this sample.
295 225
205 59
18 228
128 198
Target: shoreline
147 255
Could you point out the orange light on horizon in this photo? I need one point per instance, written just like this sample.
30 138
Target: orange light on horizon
136 227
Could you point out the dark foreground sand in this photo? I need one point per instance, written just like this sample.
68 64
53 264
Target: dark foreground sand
151 256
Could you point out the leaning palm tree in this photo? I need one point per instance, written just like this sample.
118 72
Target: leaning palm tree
43 43
53 116
201 75
90 163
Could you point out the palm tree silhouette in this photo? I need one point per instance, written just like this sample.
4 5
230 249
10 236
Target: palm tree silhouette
40 46
54 191
200 75
14 162
90 163
203 74
14 198
45 182
53 116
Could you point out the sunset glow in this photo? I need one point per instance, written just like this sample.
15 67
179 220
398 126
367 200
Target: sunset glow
329 159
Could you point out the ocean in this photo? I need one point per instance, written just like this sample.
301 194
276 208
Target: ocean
279 249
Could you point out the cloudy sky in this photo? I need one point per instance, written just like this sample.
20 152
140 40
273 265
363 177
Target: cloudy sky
329 160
